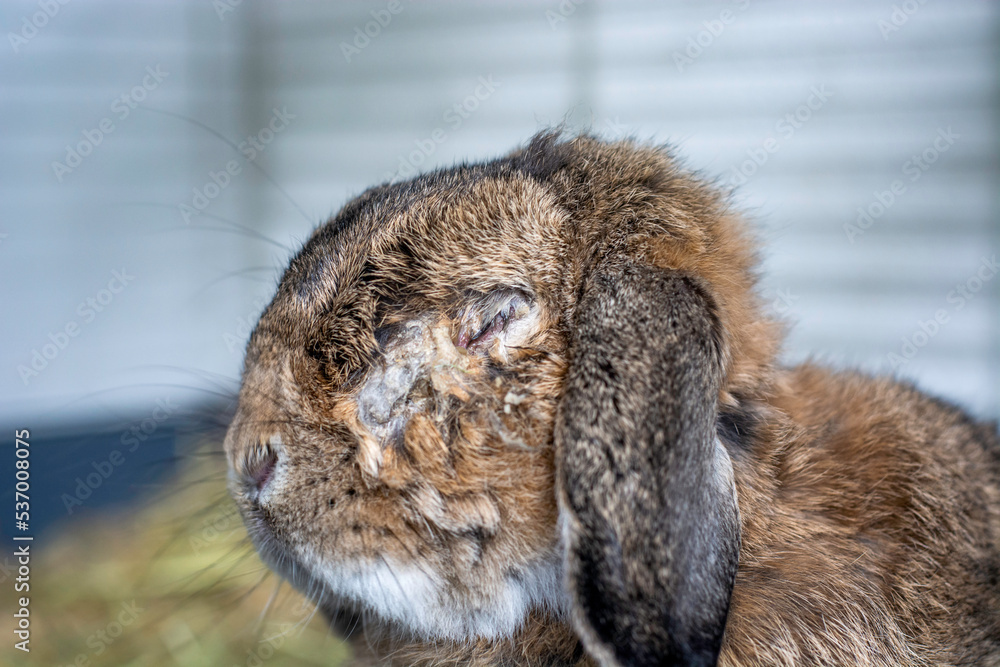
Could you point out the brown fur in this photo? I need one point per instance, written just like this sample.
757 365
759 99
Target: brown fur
870 513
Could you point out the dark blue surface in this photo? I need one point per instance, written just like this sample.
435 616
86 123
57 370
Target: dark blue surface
79 471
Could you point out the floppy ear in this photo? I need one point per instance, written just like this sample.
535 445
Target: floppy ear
646 493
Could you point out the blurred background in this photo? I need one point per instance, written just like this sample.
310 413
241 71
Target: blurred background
163 160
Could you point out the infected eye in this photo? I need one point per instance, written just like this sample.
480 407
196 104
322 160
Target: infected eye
491 329
477 331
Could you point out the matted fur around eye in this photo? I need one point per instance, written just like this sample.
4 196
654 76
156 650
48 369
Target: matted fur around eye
489 315
344 343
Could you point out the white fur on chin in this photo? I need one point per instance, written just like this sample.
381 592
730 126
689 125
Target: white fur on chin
423 604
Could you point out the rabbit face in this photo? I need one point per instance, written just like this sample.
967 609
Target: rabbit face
392 451
531 406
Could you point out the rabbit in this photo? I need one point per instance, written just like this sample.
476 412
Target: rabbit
529 412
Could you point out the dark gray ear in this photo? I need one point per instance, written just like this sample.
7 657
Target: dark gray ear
647 499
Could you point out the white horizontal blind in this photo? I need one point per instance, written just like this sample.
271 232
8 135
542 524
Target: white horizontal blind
90 184
867 90
333 112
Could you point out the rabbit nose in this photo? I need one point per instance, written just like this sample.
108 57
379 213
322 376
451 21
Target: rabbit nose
259 463
263 470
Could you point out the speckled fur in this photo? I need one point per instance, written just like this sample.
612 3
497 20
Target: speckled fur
868 524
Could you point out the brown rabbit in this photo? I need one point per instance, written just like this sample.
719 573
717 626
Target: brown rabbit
527 412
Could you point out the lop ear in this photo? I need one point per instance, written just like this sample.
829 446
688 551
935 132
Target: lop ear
646 493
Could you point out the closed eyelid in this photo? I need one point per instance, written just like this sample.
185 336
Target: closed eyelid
490 316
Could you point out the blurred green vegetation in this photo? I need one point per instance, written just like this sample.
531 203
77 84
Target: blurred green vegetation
174 581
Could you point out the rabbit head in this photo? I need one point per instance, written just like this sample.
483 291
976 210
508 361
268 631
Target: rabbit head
489 396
